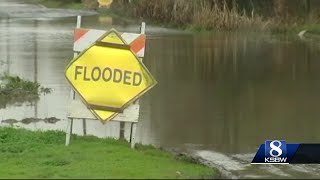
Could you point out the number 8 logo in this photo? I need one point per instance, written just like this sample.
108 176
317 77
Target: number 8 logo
275 148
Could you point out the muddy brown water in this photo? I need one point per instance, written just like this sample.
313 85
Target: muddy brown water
219 95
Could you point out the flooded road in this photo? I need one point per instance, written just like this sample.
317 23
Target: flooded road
219 95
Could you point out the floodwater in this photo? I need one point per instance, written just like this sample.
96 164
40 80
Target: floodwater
219 95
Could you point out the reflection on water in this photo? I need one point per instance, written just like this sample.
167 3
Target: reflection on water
25 48
226 93
51 120
233 91
221 94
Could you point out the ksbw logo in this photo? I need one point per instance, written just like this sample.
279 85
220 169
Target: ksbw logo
275 151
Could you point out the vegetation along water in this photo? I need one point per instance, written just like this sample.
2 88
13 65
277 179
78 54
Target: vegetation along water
264 15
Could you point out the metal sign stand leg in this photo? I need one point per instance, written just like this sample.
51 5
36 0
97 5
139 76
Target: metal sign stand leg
84 126
69 131
73 95
133 134
134 124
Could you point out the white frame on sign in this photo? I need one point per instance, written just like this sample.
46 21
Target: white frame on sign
78 109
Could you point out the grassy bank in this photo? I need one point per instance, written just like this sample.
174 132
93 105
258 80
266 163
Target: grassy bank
27 154
205 15
311 28
236 15
67 4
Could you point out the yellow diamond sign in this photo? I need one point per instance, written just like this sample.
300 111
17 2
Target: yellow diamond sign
108 76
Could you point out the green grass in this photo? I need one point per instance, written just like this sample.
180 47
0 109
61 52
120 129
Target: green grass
29 154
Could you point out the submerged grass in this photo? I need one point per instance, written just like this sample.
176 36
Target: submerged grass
13 89
14 85
35 154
